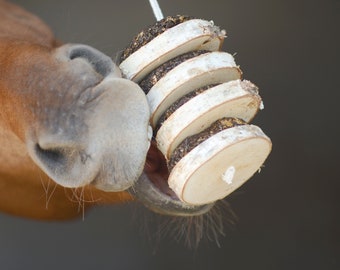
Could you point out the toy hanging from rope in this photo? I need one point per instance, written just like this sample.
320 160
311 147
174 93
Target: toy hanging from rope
200 106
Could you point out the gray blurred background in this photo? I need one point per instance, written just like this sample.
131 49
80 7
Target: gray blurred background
288 214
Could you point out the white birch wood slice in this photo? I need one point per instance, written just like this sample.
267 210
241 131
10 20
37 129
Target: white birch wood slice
188 36
205 69
238 99
219 165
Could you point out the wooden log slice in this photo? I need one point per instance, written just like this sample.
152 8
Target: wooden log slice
219 165
209 68
195 34
237 99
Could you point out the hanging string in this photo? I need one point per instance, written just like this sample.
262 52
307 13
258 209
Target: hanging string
156 9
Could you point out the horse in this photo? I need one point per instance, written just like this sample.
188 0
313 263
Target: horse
73 132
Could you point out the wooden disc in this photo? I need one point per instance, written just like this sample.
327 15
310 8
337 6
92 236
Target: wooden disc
209 68
220 164
191 35
237 98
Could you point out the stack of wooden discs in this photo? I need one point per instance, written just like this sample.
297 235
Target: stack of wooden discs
200 107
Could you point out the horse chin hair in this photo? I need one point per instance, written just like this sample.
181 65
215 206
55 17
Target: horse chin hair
188 231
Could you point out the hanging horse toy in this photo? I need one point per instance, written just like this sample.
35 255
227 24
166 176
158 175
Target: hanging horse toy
200 112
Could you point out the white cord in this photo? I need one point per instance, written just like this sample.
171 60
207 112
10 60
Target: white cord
156 9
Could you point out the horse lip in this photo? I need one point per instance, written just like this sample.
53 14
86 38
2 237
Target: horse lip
106 186
159 202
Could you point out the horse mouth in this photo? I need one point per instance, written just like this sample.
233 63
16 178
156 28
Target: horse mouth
153 191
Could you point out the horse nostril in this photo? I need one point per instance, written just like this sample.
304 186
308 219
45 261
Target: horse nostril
100 62
63 162
51 157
